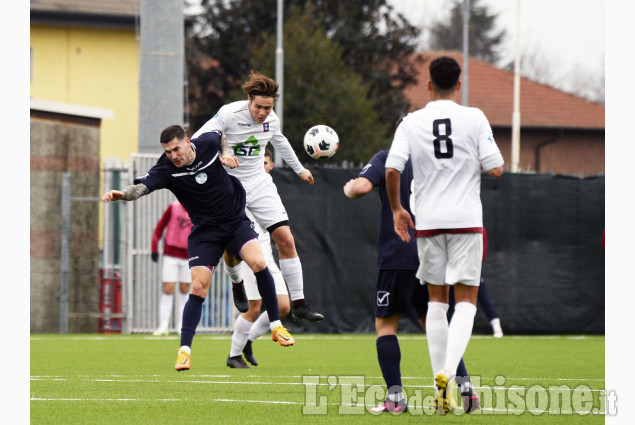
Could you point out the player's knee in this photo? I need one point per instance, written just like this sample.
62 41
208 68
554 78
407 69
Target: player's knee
257 265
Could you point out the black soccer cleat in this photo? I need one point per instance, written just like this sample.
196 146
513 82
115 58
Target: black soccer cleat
237 362
305 312
240 296
248 352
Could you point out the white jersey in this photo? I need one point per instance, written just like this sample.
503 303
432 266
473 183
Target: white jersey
446 143
248 139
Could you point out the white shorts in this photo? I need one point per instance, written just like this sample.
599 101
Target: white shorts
451 258
176 270
251 287
263 200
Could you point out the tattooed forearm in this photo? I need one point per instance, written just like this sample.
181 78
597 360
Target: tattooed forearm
135 192
224 147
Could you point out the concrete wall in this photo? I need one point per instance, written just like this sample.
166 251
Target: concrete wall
64 143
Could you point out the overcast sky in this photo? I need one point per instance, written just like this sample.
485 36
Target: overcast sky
569 33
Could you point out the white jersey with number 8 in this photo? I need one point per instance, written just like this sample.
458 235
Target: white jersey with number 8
446 143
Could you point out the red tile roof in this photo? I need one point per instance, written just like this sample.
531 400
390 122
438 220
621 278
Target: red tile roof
492 90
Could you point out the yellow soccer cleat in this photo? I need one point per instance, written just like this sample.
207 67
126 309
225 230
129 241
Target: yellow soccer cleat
282 335
182 361
444 401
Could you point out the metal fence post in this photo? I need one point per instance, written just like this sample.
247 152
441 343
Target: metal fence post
64 253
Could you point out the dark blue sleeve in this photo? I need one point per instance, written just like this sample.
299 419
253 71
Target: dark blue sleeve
375 170
153 179
213 138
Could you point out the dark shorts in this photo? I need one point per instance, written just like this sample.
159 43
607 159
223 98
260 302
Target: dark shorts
207 242
400 292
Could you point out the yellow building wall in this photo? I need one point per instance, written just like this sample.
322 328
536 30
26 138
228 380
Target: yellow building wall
97 67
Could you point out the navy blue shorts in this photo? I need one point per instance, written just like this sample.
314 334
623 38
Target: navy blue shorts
400 292
207 242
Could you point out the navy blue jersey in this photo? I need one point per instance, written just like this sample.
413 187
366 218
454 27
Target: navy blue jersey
393 253
204 188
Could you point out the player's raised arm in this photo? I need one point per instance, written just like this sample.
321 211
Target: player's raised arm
130 193
356 188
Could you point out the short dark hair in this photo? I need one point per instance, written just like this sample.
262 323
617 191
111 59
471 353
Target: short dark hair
444 73
169 133
269 153
260 85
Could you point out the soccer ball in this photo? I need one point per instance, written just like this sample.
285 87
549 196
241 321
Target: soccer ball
321 142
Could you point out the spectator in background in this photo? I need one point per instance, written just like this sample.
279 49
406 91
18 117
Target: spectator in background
176 224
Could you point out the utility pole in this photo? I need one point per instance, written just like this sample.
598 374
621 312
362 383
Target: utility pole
466 52
161 70
277 159
516 113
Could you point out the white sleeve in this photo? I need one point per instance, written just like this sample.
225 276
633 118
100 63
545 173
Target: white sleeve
399 150
283 147
486 144
220 122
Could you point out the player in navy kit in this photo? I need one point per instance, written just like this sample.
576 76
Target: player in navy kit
215 201
397 290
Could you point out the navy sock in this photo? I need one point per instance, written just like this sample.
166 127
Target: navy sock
389 356
461 374
191 316
267 289
485 301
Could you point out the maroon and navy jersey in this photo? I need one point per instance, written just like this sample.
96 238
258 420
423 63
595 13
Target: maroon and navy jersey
204 188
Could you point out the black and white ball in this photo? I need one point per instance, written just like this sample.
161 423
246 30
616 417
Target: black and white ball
321 142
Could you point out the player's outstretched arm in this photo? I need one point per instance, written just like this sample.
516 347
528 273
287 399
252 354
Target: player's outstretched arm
356 188
306 176
130 193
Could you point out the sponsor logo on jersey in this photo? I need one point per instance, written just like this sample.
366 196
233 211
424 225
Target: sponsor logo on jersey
491 139
194 167
265 126
201 178
382 298
240 124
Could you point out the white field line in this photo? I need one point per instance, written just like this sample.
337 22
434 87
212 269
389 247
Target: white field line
293 403
111 378
300 337
217 382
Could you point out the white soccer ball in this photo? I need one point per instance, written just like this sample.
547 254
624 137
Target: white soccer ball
321 142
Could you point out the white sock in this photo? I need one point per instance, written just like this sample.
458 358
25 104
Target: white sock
179 315
165 309
437 332
274 324
234 272
291 269
240 335
187 349
496 324
260 327
459 333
